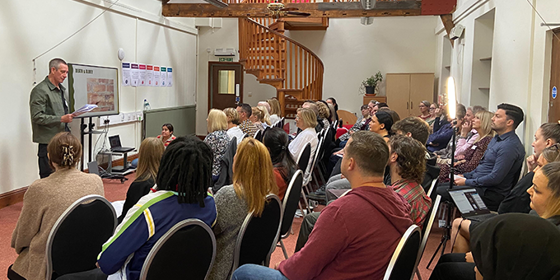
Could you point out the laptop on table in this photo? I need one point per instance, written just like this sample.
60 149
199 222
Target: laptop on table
470 204
115 142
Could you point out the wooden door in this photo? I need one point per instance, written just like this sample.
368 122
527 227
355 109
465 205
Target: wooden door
225 85
398 93
421 88
554 103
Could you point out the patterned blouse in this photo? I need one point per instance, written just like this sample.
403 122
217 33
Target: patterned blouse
169 140
419 202
472 158
248 127
218 141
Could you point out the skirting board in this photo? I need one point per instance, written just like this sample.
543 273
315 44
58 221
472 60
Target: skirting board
15 196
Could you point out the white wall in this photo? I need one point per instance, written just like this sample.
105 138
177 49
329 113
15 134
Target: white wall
520 59
351 52
33 27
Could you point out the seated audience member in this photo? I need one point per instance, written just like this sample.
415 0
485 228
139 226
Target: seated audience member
246 125
443 131
483 125
381 123
306 121
361 124
166 134
310 104
233 122
44 201
373 107
343 236
256 118
253 180
218 138
548 155
510 246
181 194
463 142
276 141
407 164
432 117
518 200
266 116
275 110
418 129
547 135
265 105
332 101
499 169
424 110
324 112
149 157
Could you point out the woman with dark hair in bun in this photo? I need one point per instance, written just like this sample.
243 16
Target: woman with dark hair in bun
381 123
276 141
45 200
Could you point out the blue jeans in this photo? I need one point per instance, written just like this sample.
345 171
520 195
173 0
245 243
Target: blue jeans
257 272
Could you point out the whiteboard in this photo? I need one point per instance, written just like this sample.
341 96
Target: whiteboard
89 84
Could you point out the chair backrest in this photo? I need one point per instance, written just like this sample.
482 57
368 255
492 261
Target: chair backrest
317 152
403 261
258 135
258 235
303 158
427 226
347 117
290 203
432 188
77 236
187 250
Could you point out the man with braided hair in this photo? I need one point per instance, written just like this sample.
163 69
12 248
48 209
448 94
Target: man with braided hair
181 193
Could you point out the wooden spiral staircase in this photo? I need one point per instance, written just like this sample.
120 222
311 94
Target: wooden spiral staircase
279 61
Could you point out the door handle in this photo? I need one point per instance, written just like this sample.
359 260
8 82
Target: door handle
407 105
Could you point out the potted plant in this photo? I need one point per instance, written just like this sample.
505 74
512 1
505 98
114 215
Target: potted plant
372 82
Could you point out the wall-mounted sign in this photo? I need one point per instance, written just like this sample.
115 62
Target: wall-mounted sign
554 92
226 59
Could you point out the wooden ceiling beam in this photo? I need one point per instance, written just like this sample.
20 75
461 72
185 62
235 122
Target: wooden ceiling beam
330 10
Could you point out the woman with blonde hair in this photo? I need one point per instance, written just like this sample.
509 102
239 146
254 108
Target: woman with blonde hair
233 122
306 120
482 123
45 200
275 110
253 180
256 118
149 157
217 138
324 112
266 116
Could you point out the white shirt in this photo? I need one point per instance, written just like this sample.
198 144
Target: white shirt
236 132
298 144
274 119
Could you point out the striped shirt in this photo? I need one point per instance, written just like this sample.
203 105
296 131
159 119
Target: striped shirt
144 224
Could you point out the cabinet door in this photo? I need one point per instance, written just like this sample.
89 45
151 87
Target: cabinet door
398 88
421 88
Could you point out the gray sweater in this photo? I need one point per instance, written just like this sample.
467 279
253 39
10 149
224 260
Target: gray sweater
232 211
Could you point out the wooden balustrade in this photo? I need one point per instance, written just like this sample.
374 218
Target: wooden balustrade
280 61
302 1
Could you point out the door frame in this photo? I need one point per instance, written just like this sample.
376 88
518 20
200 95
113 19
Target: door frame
211 65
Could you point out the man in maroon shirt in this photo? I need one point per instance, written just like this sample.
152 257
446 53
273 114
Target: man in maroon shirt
356 235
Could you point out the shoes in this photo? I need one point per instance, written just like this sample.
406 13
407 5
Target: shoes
299 214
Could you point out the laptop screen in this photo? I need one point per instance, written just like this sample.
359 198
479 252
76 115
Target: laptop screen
468 201
115 141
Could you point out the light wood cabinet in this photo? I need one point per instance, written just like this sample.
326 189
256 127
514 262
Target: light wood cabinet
405 91
368 98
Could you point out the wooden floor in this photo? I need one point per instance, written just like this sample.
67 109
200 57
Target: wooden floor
114 191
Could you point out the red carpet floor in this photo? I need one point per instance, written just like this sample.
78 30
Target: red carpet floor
114 190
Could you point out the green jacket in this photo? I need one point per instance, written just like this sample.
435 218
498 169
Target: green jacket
45 104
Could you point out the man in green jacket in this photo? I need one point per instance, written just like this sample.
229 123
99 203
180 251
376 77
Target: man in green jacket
49 111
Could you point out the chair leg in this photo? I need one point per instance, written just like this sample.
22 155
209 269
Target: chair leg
283 249
418 274
306 202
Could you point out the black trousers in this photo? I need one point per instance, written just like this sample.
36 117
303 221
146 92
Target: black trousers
453 266
44 167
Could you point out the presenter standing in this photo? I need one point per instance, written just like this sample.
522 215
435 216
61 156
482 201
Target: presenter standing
49 111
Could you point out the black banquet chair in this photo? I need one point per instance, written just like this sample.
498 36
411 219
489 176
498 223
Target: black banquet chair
186 251
289 206
404 260
258 235
78 235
